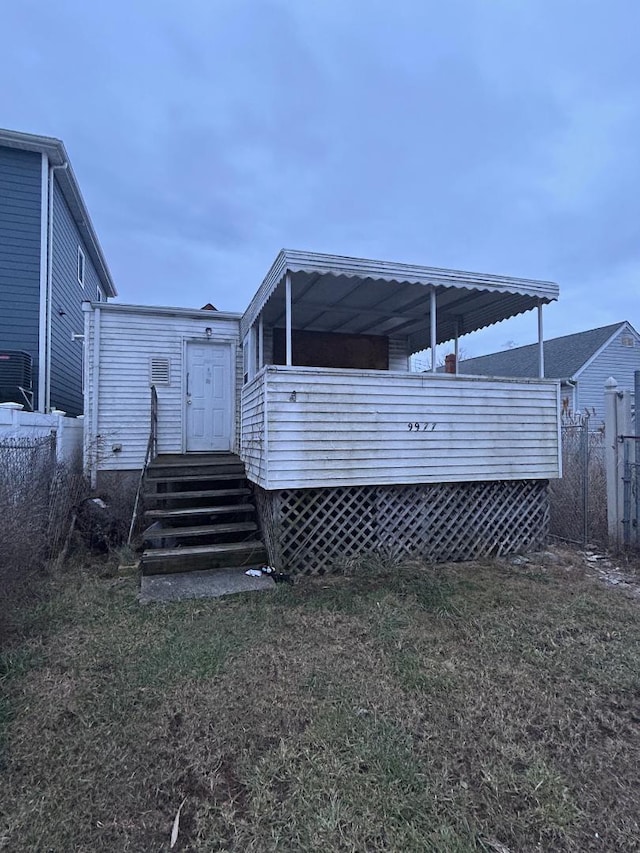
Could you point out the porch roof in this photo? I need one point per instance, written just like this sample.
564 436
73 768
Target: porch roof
352 295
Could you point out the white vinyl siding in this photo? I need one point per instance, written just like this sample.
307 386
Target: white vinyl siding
253 430
129 341
310 428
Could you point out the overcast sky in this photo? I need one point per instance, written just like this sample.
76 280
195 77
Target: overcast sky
499 136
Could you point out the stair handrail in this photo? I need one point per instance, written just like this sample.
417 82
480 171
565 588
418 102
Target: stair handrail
150 455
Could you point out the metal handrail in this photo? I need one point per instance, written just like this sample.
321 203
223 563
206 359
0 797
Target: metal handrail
150 455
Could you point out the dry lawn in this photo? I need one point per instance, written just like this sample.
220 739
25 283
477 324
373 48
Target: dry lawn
475 707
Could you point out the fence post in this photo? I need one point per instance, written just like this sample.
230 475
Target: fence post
611 458
636 455
584 429
53 452
617 423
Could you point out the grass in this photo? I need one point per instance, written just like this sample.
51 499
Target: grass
476 707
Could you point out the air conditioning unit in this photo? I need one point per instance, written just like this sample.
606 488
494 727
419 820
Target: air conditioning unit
16 383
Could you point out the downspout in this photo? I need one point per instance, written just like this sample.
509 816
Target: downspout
95 395
39 404
47 400
87 407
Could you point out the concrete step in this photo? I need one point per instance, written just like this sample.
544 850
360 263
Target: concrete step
202 530
202 493
192 512
160 560
200 584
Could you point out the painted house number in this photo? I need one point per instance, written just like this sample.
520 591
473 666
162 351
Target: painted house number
425 426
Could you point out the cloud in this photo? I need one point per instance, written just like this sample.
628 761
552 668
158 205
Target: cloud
207 135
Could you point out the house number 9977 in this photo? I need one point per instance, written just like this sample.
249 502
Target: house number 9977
425 426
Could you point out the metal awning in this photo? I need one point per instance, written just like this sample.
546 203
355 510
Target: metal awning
351 295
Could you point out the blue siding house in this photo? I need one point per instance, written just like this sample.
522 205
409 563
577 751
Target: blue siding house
50 262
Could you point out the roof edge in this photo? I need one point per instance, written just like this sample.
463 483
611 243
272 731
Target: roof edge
164 310
292 260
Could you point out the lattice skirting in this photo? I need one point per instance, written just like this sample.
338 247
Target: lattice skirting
313 531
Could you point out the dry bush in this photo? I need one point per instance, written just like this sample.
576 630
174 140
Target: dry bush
117 490
37 500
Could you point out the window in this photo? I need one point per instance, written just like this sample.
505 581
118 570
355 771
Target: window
627 341
80 266
159 370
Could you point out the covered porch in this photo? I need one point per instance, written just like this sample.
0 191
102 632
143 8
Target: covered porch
316 310
328 397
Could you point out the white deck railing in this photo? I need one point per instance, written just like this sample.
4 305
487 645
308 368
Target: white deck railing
307 428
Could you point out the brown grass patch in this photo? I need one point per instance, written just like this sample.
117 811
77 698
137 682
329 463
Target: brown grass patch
454 709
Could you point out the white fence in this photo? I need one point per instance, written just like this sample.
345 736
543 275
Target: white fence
16 424
622 457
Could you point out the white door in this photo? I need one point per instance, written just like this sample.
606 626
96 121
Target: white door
209 397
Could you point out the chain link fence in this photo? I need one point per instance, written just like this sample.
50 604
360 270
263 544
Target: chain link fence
578 501
38 495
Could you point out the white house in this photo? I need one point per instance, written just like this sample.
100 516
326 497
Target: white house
344 448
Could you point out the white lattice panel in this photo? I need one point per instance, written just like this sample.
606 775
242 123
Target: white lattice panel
313 531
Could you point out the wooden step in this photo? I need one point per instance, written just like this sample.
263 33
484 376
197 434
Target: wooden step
154 477
196 462
177 467
191 512
159 560
201 530
212 458
203 493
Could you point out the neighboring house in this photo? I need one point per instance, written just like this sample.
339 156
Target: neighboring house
344 448
50 262
582 362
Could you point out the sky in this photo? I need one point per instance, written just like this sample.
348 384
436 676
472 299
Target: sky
498 136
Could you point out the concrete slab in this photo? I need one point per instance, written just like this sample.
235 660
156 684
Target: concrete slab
205 584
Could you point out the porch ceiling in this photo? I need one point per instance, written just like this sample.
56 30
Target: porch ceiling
350 295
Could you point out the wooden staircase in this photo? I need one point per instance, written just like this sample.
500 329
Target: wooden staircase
201 514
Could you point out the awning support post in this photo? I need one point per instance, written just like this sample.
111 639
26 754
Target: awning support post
289 359
456 347
260 342
432 317
540 343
